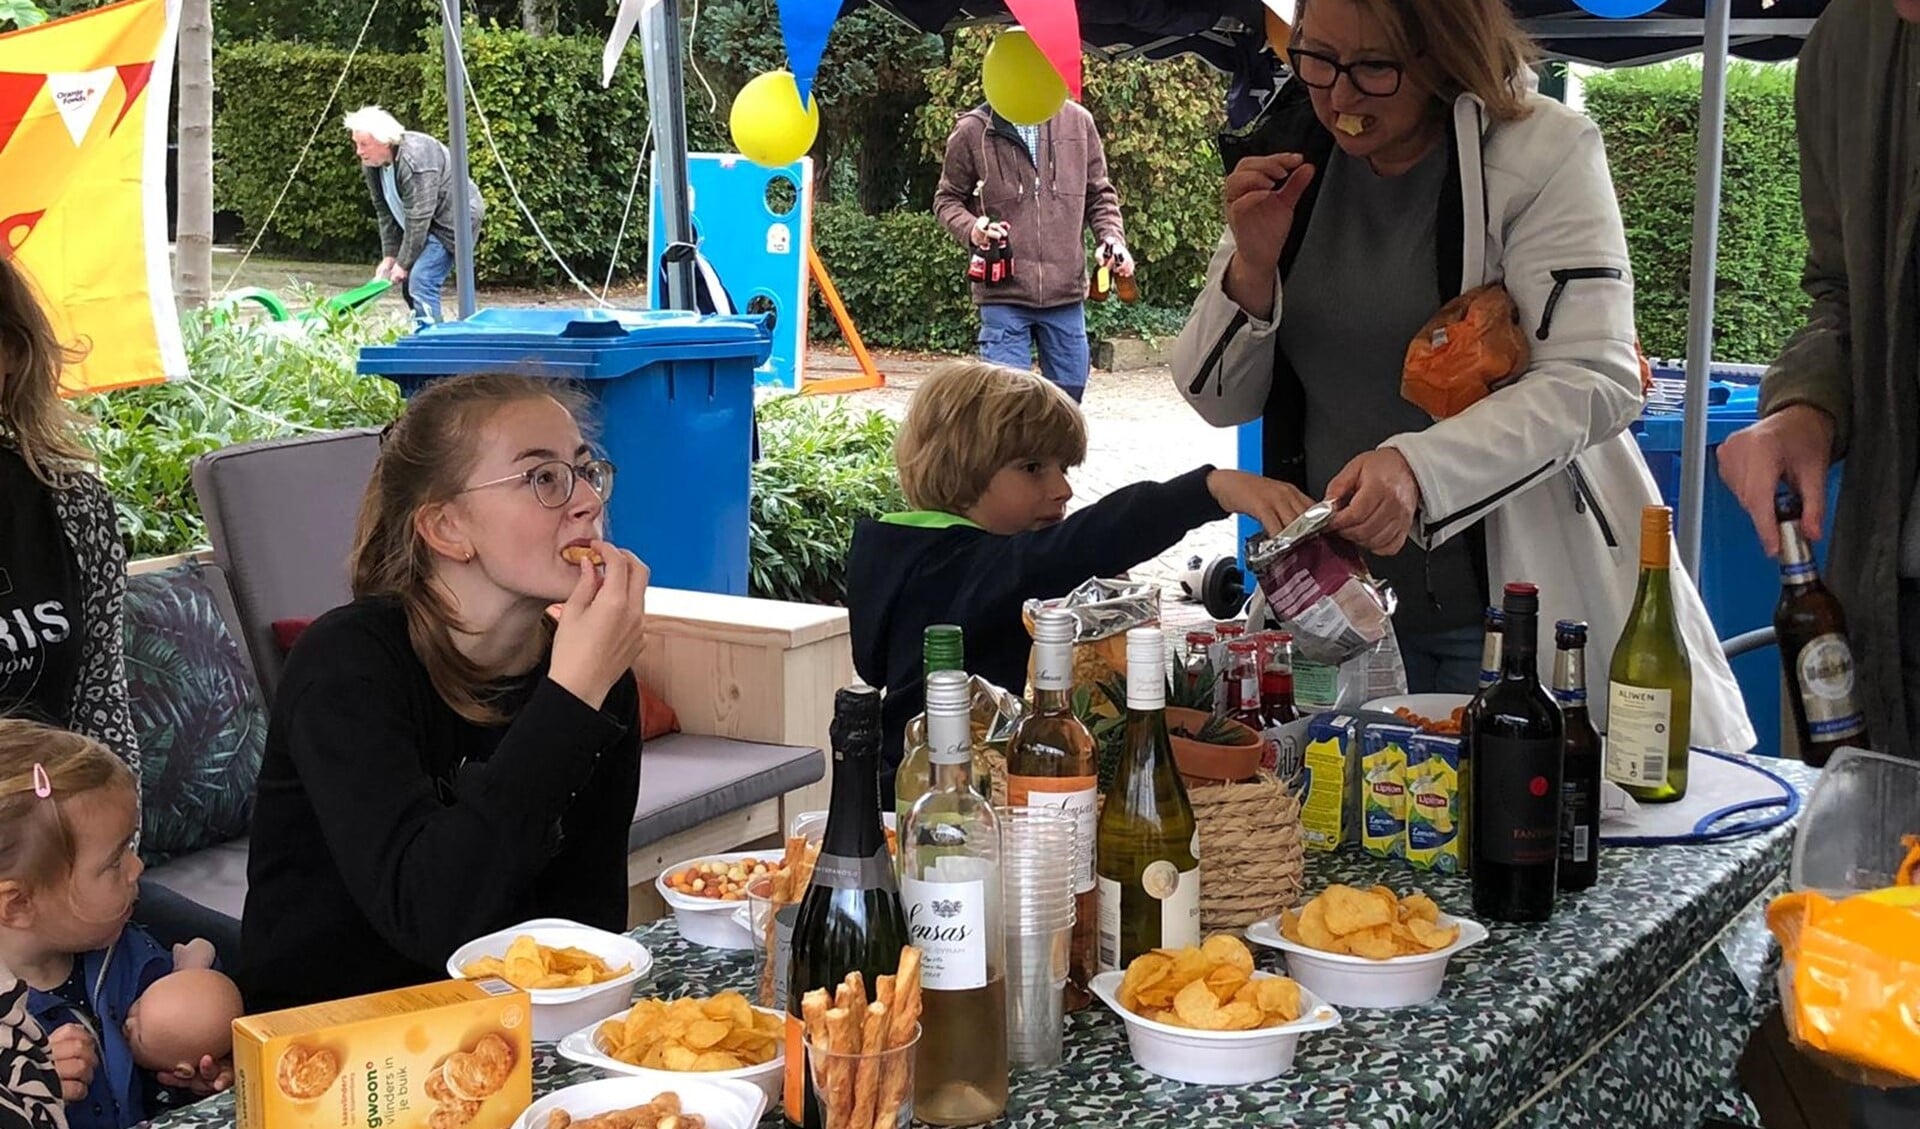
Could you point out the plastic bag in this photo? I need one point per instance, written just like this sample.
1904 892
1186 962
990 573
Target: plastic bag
1850 981
1103 610
1316 584
1376 672
1466 350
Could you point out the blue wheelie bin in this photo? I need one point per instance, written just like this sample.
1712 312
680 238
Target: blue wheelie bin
674 395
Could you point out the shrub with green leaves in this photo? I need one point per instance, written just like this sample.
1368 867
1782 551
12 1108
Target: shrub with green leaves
1650 117
823 468
249 381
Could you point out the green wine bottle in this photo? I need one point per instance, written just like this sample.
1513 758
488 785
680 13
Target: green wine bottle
941 648
1147 859
1650 681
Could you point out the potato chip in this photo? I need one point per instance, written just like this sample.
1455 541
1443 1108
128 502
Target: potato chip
529 964
1209 988
1375 923
723 1032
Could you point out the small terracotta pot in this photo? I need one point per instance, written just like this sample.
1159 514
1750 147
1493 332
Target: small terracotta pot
1203 763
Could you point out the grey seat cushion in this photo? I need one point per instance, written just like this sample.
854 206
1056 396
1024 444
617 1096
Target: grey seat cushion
687 779
215 877
281 516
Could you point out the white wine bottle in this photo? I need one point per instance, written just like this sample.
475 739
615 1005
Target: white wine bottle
1052 762
1650 681
1148 854
950 881
942 647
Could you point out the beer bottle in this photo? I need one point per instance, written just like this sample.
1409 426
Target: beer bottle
1812 631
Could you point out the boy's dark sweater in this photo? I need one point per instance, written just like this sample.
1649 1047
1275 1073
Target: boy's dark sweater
388 830
901 579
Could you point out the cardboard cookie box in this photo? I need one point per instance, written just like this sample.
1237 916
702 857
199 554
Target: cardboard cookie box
455 1055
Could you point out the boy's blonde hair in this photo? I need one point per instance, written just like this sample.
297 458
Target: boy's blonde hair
970 419
37 847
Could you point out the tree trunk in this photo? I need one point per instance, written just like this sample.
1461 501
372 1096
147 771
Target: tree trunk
193 237
533 17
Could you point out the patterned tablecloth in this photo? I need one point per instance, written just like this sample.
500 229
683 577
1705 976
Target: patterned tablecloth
1628 1010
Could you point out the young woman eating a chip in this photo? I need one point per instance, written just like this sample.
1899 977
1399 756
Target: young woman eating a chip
445 757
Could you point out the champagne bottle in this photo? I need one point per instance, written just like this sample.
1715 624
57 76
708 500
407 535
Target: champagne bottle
1052 762
941 648
1148 856
1650 683
850 917
1514 732
1490 649
950 866
1812 631
1580 786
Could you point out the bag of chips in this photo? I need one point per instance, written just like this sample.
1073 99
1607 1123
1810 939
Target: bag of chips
1469 348
1850 981
1103 612
1316 584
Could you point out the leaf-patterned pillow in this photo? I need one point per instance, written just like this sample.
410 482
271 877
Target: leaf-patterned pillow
196 712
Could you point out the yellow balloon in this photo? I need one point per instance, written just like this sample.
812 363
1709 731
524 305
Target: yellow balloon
769 125
1021 84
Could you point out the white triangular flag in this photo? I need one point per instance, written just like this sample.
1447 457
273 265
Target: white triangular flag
623 25
78 95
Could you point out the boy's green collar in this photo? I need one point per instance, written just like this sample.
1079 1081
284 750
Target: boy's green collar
928 519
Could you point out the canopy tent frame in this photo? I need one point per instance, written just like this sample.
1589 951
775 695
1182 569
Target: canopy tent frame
1716 32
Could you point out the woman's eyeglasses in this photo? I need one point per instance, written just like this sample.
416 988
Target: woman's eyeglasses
1375 78
552 482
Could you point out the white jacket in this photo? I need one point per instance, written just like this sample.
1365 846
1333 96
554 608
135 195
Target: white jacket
1546 462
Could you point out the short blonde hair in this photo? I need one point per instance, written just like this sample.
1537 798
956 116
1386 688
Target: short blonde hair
1461 46
377 124
970 419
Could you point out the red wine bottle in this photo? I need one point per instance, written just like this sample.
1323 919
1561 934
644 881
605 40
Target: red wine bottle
1513 734
850 917
1581 762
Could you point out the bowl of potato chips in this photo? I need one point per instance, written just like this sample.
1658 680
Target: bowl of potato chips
1205 1015
576 974
1369 948
642 1103
721 1037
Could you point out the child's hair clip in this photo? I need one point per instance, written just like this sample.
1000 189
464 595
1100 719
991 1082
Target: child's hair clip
42 783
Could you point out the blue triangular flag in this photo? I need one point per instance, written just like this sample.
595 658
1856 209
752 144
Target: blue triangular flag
804 25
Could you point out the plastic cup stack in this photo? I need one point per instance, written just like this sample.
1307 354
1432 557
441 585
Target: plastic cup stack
1039 858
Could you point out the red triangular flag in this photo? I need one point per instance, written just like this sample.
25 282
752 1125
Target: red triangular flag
1055 28
17 92
133 77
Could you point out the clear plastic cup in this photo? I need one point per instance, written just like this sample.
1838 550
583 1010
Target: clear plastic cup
1036 966
1848 840
864 1091
770 919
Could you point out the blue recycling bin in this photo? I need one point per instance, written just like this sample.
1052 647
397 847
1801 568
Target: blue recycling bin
674 395
1738 583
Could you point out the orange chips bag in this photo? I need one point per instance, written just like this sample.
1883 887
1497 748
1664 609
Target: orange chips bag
1463 352
1850 980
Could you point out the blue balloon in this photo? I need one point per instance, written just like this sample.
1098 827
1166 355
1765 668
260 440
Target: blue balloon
1619 9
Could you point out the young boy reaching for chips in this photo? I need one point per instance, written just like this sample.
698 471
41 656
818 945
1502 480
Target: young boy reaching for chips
983 457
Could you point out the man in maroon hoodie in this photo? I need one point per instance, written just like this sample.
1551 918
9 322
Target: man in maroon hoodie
1038 188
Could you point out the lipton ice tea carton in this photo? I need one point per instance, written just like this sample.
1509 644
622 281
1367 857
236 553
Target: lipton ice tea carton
1383 789
1436 804
454 1055
1329 806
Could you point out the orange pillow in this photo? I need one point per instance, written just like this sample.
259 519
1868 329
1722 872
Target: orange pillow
657 718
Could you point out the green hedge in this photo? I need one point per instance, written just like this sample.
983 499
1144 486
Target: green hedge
568 145
1650 118
266 97
901 275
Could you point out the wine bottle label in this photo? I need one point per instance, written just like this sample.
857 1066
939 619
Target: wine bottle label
1516 797
1825 670
1178 892
1109 936
1078 796
1639 725
947 922
838 872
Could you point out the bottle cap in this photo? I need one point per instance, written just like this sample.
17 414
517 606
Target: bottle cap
1656 522
1522 598
1243 647
856 720
949 691
1200 638
1053 626
1146 668
1571 632
1786 502
942 647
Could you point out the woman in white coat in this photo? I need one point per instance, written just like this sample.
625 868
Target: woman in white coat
1407 162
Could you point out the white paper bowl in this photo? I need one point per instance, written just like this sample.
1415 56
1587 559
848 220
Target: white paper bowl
1215 1058
710 922
1436 706
725 1105
557 1011
1351 981
583 1046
